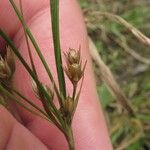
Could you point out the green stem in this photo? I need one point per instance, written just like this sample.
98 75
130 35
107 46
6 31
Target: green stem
27 30
41 88
74 91
29 102
70 139
27 40
54 5
3 90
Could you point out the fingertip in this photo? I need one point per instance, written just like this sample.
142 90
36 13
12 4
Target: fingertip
6 125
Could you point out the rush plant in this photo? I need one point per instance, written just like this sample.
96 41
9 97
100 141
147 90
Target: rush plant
61 116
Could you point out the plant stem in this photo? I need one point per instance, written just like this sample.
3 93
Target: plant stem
27 40
74 91
41 88
54 5
31 37
70 139
10 95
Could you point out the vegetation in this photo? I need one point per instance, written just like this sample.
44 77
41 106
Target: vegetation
128 57
118 33
60 115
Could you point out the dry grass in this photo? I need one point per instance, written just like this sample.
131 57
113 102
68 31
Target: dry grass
119 45
108 78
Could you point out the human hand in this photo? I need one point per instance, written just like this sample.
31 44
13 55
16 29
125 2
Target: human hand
32 132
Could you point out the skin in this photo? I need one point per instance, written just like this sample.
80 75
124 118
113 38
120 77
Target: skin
26 131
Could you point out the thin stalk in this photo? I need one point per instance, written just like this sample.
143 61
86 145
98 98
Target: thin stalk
27 40
3 90
45 65
41 88
54 7
74 91
38 51
69 138
29 102
76 99
49 115
17 53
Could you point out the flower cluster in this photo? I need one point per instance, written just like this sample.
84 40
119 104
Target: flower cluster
7 69
47 88
74 72
69 105
74 69
7 65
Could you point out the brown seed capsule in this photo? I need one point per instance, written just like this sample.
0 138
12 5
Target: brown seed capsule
73 56
36 90
69 105
73 69
7 65
5 71
74 72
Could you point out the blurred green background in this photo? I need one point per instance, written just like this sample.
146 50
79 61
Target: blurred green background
114 43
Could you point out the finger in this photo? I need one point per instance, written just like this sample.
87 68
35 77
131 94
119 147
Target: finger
8 20
14 136
89 125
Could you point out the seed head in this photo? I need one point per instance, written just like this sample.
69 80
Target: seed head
73 56
69 105
7 65
73 69
74 72
5 71
46 87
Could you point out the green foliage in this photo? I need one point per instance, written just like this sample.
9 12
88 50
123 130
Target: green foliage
128 71
105 96
136 16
